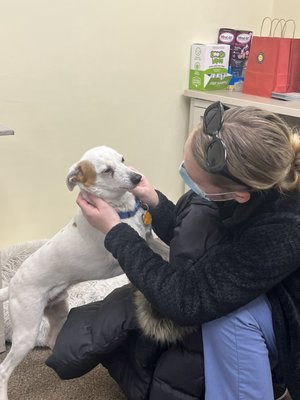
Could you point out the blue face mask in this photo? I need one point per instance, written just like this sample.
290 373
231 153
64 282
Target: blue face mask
195 188
190 183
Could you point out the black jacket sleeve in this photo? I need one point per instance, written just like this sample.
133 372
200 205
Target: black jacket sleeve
93 331
227 277
163 218
106 332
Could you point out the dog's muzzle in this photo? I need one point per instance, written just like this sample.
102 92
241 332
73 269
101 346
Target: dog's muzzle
135 178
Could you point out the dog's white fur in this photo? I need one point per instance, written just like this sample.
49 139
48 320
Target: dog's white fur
74 254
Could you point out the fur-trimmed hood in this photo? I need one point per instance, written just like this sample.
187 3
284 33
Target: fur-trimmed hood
155 326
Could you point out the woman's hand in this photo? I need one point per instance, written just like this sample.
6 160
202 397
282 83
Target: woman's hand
99 214
145 192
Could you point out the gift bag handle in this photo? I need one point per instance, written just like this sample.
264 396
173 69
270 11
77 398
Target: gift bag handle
263 23
279 22
285 25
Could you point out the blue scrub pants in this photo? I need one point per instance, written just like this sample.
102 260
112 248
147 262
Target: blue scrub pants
239 353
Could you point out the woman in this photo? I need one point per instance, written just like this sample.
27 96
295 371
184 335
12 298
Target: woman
244 292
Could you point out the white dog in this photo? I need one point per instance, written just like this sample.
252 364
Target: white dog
73 255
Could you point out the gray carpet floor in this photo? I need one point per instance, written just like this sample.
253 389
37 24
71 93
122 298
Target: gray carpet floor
33 380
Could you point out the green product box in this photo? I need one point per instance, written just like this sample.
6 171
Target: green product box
209 66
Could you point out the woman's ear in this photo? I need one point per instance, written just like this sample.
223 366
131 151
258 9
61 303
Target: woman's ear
242 197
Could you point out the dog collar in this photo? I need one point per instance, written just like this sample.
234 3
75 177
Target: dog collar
129 214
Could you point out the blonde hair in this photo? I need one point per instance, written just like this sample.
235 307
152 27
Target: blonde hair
262 150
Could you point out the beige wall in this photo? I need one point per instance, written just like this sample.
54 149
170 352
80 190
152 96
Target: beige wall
78 74
288 9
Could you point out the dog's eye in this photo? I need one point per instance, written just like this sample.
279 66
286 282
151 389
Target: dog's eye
108 171
123 159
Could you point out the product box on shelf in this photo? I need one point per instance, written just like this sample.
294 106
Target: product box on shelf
240 43
209 66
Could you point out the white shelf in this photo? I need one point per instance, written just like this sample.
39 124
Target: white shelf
239 99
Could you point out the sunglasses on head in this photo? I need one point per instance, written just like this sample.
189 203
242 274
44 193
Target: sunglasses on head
215 153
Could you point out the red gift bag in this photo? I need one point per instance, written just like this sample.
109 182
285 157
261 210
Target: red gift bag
294 67
269 67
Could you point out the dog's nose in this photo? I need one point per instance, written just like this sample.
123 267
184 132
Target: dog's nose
135 178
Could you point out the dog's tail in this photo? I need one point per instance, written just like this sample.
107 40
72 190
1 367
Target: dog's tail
4 294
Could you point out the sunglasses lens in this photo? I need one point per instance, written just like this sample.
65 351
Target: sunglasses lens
213 118
216 155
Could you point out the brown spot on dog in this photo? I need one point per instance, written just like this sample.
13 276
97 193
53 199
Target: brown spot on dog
86 173
74 224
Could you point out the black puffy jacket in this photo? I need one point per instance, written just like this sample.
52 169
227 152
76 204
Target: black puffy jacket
106 331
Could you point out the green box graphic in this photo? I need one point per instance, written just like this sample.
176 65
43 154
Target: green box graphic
209 67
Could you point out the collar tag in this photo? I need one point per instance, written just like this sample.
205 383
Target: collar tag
147 217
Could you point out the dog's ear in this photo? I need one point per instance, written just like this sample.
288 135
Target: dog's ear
83 172
72 177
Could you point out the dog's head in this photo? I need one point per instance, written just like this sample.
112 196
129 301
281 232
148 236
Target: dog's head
102 172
